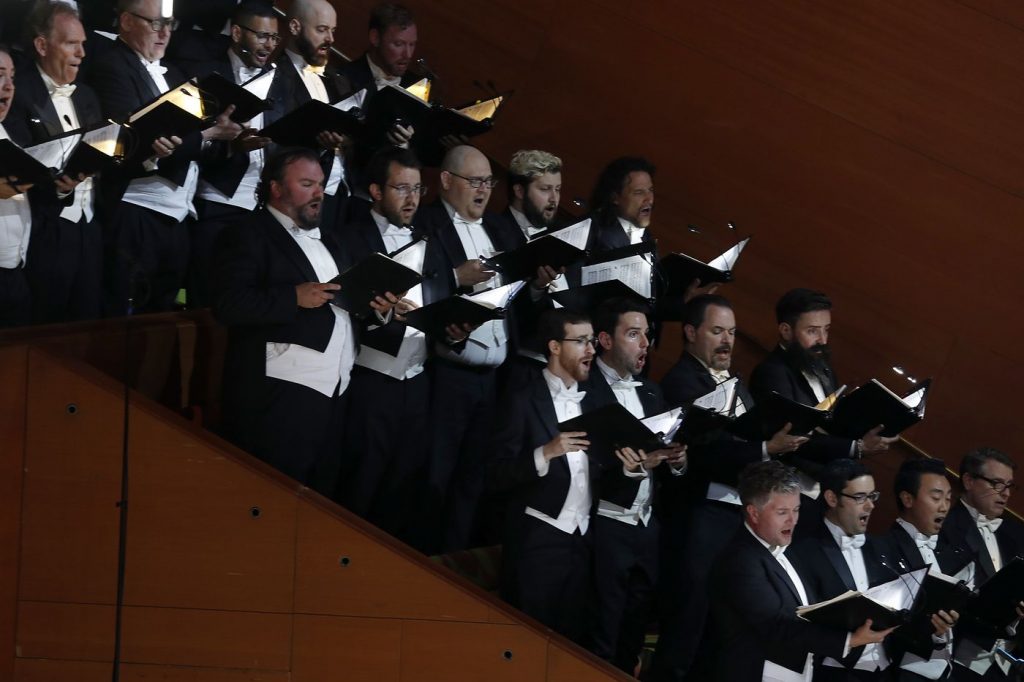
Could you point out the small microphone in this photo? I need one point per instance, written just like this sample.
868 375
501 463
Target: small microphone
578 202
422 62
693 228
67 119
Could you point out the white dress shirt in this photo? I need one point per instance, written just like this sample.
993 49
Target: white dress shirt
634 232
413 351
312 79
873 657
154 191
60 95
15 226
487 345
245 194
575 511
321 371
380 78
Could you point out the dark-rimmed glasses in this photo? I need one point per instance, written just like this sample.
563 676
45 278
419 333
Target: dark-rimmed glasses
406 190
263 36
583 341
999 486
158 24
861 498
476 183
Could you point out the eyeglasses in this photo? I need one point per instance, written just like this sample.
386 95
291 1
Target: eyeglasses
861 498
476 183
583 341
406 190
997 485
263 36
158 24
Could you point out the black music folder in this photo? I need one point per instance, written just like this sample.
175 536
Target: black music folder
522 263
221 92
940 592
768 416
872 404
19 164
472 309
887 605
163 120
679 269
371 277
998 597
301 126
612 427
585 299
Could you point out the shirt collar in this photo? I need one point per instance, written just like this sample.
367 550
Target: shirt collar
379 77
50 84
383 223
909 527
775 550
555 384
837 533
453 214
975 514
529 230
298 61
629 227
286 222
610 374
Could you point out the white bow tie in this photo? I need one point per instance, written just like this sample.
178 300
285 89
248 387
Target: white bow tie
720 375
155 69
626 384
62 90
991 524
316 70
469 223
564 395
392 231
246 74
929 541
299 232
856 542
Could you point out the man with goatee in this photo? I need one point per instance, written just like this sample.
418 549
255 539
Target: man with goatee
290 353
546 564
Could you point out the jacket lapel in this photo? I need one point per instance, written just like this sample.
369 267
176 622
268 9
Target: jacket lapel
284 241
835 557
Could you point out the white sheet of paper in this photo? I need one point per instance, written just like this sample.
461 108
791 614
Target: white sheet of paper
718 400
633 271
104 139
727 261
576 235
666 423
900 592
412 257
260 85
353 102
54 153
185 96
914 400
498 297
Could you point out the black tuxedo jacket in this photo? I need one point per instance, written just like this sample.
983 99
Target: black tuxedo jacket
220 167
33 119
123 86
716 456
776 374
361 239
616 487
359 76
820 563
753 615
606 233
526 422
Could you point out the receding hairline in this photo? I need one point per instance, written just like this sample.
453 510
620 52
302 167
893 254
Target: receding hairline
459 156
304 10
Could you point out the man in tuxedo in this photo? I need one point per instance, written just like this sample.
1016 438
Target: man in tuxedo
464 382
837 556
800 369
290 353
625 530
979 523
382 482
230 170
546 561
701 516
755 591
535 189
15 221
392 36
923 648
145 201
622 204
65 261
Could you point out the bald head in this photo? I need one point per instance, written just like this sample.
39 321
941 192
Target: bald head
462 167
311 24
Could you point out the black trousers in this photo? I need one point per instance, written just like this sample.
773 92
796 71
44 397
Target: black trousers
212 219
15 298
385 449
64 270
463 402
688 554
146 259
829 674
546 573
625 575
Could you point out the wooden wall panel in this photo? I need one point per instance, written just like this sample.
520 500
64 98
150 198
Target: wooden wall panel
13 389
69 551
47 670
376 581
193 538
565 665
366 649
65 631
444 651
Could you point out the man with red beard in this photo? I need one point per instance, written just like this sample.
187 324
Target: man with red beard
756 590
979 523
231 170
800 369
392 36
625 536
290 352
546 561
702 511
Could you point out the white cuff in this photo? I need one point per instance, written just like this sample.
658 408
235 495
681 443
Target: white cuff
538 461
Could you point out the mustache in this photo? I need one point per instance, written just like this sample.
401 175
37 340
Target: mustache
724 348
